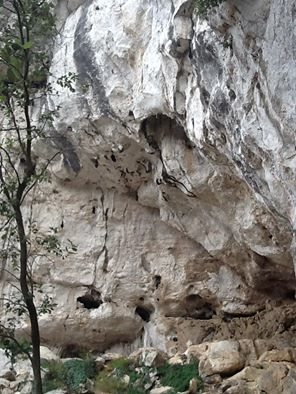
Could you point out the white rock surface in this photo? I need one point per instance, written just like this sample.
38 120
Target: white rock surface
161 390
47 354
149 357
4 363
176 179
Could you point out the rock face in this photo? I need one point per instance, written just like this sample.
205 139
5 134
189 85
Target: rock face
176 177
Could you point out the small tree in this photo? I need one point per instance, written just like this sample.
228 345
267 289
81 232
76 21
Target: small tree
23 82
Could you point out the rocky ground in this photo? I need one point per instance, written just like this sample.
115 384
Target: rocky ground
245 366
275 323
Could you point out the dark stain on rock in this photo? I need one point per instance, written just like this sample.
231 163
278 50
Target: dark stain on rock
84 55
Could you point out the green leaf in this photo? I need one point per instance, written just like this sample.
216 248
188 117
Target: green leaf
27 45
10 75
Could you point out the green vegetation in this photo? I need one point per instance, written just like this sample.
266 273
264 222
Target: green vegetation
78 371
54 376
119 376
203 6
71 375
179 376
14 348
110 380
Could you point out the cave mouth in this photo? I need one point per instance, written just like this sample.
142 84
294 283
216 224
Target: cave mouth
157 281
197 308
157 127
144 313
91 300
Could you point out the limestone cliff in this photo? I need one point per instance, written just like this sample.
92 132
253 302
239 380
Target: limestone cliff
176 177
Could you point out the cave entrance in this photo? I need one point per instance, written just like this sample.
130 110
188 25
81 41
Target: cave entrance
91 300
144 313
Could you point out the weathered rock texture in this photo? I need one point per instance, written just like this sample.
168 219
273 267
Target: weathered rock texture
176 179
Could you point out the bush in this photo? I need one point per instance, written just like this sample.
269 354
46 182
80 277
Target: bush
78 371
110 379
70 375
203 6
179 376
55 375
108 384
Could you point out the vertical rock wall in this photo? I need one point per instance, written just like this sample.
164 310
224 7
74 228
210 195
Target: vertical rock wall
176 177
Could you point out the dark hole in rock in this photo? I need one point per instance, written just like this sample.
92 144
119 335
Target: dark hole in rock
93 210
157 281
198 308
157 299
232 94
175 339
91 300
144 313
192 298
22 160
62 224
113 158
156 127
141 299
130 113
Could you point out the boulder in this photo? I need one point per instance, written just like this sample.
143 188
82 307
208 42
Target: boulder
111 356
9 375
223 357
47 355
3 383
271 378
177 359
286 354
161 390
100 362
193 386
150 357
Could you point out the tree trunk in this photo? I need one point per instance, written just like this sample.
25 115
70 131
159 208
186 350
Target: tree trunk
29 301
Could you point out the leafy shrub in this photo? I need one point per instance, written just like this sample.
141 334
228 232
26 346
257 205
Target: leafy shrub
70 374
121 365
203 6
55 375
78 371
108 383
179 376
110 380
